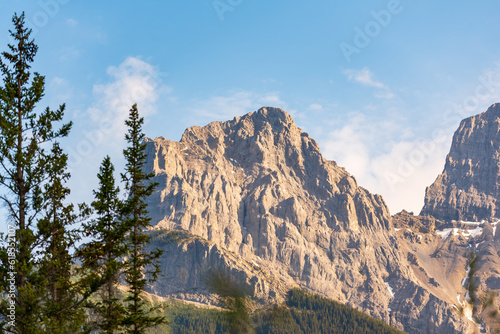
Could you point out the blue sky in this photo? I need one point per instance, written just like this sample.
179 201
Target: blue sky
381 85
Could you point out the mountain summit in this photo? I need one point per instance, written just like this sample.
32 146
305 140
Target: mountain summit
254 198
257 168
469 186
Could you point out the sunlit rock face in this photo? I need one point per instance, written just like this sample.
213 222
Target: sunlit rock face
255 199
469 187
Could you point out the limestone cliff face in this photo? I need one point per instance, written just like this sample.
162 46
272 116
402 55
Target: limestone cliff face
264 206
469 187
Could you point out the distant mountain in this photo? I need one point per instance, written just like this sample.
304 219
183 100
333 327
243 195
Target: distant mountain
463 206
469 187
255 199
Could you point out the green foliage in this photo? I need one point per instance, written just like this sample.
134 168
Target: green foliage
101 257
170 236
62 309
303 313
316 314
32 188
193 320
279 320
235 299
141 265
472 285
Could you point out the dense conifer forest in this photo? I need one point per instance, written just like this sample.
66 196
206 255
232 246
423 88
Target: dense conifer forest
303 312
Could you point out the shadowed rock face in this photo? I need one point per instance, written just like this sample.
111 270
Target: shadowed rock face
266 208
469 187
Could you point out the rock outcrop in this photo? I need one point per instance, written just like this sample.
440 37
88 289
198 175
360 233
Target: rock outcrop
464 201
260 203
469 187
405 219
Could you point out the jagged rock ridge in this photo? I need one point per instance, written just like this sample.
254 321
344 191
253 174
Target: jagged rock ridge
469 186
465 197
269 210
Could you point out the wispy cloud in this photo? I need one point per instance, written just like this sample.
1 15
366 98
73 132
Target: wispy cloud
69 53
133 81
365 77
101 129
384 94
60 90
71 22
315 107
237 103
386 158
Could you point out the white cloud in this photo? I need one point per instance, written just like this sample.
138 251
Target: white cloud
365 78
59 81
315 107
71 22
59 90
271 100
403 173
224 107
346 146
68 53
386 158
133 81
384 94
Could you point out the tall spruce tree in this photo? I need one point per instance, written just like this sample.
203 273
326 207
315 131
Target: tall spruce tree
141 264
63 310
103 255
23 169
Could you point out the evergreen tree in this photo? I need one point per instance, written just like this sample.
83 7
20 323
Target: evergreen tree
235 299
23 169
63 310
103 256
141 264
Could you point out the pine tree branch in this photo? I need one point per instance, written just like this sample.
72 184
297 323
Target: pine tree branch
9 204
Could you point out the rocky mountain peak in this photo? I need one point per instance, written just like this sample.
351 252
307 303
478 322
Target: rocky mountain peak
493 112
268 127
253 197
469 186
272 115
263 152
